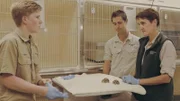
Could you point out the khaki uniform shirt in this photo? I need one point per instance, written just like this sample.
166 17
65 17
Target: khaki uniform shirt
19 57
167 56
122 55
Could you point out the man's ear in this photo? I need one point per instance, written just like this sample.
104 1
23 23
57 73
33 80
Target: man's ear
24 20
154 21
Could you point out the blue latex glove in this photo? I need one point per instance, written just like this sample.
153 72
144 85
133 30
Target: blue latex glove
68 77
54 93
130 80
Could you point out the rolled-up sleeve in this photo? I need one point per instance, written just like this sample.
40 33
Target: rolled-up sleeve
107 52
8 57
168 58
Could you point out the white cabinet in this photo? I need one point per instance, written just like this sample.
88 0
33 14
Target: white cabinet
164 3
172 3
134 1
148 2
154 2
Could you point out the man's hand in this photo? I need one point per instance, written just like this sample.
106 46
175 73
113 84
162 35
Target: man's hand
54 93
43 82
130 80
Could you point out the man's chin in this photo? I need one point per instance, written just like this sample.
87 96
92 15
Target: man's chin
145 34
37 31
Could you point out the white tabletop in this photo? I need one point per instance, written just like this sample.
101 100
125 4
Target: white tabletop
91 85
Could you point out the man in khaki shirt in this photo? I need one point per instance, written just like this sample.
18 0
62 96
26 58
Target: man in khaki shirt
121 50
19 58
120 53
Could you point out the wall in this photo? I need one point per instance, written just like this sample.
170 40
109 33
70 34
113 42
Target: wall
59 45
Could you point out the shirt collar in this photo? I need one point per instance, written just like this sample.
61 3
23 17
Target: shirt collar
129 38
155 38
23 36
148 45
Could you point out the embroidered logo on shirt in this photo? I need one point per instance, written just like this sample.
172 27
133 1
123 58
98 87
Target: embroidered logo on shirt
152 52
131 44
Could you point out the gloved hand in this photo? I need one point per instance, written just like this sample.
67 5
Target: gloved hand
130 80
68 77
54 93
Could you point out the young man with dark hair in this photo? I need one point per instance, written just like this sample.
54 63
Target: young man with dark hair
156 60
120 51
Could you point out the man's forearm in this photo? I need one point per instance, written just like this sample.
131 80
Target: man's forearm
106 67
164 78
20 85
106 71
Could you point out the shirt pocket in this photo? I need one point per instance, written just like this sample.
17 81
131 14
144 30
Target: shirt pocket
132 50
116 49
116 52
36 58
24 66
24 59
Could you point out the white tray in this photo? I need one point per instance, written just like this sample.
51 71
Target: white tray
91 85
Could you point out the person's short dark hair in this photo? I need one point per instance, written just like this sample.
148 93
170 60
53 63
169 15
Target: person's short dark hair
120 13
149 14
